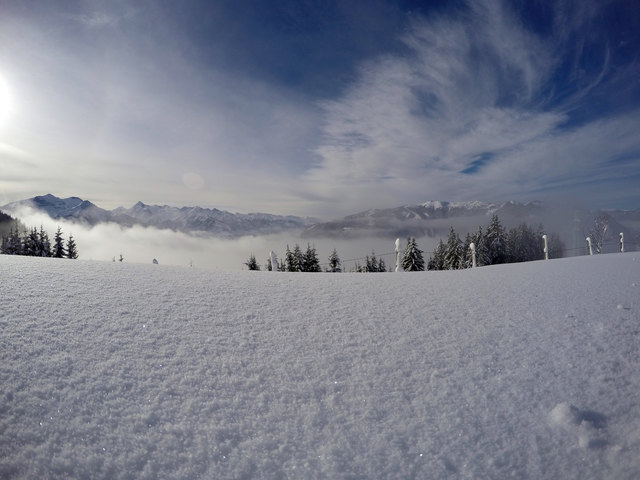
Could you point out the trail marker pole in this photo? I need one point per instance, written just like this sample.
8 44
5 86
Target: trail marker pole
589 245
472 247
546 248
621 242
398 263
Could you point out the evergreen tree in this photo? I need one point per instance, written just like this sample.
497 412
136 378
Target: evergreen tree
371 263
44 243
382 267
252 264
72 251
412 260
496 241
4 247
298 258
310 262
453 252
15 242
6 224
482 253
58 250
438 257
31 243
467 255
269 267
290 261
335 265
523 244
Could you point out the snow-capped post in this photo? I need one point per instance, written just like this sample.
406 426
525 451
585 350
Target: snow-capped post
274 261
398 261
472 247
589 245
621 242
546 247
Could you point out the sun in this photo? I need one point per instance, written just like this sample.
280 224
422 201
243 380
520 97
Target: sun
6 104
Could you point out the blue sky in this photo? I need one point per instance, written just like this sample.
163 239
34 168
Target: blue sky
317 107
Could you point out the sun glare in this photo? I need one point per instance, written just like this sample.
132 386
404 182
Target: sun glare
5 101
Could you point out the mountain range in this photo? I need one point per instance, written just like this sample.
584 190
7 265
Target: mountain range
216 222
431 219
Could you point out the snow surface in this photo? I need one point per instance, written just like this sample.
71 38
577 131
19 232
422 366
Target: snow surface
114 371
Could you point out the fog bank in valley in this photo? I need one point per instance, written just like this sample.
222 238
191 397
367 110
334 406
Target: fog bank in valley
107 241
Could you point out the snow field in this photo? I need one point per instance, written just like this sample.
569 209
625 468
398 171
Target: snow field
118 371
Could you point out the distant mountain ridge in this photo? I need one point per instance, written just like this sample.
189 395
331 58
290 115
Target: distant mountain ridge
426 219
431 219
216 222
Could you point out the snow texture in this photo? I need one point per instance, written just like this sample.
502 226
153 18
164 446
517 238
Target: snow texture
117 371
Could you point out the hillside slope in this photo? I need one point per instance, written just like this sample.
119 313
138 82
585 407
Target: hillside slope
117 371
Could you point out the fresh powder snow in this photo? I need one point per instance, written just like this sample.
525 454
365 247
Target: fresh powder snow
120 371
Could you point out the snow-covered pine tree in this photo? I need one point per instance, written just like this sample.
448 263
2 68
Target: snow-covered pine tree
371 263
482 254
252 264
523 244
298 258
382 267
290 261
495 239
72 250
335 265
453 256
466 252
412 259
58 250
438 256
269 267
310 262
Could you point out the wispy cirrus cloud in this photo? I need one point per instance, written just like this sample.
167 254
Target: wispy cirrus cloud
469 113
96 19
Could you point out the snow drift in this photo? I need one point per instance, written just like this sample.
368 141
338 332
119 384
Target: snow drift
114 371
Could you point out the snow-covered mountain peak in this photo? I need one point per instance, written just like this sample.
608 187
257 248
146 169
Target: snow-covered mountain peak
186 219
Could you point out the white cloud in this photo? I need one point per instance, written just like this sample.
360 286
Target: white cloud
470 87
96 19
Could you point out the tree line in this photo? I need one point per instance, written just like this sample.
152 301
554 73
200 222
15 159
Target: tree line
35 243
493 245
297 261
